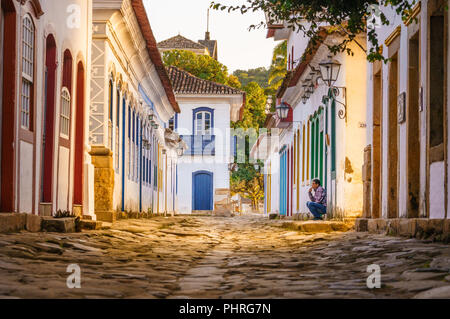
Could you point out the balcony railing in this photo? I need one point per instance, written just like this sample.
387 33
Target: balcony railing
200 144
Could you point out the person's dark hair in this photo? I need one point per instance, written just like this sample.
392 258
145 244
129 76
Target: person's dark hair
317 181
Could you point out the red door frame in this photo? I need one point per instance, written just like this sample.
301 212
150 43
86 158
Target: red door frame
8 165
62 141
79 138
49 124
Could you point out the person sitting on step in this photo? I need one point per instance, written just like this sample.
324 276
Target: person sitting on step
318 204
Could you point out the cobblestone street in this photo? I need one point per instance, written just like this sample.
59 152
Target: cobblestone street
213 257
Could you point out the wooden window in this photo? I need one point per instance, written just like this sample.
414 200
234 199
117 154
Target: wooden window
203 123
110 113
27 73
129 142
65 113
172 123
437 76
117 144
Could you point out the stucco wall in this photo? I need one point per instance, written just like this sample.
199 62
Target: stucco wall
217 164
436 174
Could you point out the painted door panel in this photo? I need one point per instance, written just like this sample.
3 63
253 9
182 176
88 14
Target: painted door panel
202 191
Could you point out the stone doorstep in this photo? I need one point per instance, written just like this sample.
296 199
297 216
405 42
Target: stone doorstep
91 224
58 225
318 226
14 222
409 227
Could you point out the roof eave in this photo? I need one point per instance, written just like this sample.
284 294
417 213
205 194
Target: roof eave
155 56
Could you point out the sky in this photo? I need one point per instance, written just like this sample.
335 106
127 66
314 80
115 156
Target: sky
238 47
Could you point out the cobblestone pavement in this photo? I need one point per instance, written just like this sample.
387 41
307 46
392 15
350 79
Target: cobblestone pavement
213 257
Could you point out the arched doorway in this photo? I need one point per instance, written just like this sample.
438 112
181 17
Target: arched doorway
202 190
49 120
8 105
79 138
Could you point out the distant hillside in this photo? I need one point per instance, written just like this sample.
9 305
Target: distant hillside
258 75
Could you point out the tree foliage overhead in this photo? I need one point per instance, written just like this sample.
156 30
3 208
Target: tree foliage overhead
277 70
254 111
202 66
258 75
349 16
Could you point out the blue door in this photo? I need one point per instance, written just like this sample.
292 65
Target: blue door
202 190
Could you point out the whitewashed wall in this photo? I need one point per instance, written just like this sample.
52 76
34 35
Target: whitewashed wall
437 170
215 164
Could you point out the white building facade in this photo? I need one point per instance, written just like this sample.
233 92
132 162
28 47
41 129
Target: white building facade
207 110
407 117
323 135
84 101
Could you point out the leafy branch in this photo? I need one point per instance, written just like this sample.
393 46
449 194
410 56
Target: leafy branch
309 17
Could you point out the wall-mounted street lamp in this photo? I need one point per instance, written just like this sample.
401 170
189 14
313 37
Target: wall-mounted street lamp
282 110
180 151
310 89
151 115
305 98
329 69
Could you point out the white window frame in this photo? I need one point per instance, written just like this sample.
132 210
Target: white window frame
202 130
64 129
27 59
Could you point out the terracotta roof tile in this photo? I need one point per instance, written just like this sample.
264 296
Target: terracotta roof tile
180 42
211 45
185 83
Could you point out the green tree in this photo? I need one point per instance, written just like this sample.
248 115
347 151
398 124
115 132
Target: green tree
349 16
259 75
254 114
202 66
277 70
249 185
247 180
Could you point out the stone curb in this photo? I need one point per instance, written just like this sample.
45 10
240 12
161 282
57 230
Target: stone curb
437 229
17 222
318 226
90 224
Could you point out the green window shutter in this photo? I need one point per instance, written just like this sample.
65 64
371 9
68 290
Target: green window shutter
333 138
321 157
313 144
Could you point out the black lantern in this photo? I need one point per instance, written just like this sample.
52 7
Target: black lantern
329 69
282 110
151 115
310 89
305 98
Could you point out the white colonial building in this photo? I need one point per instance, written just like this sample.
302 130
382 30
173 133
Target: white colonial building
324 132
84 98
408 117
207 110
